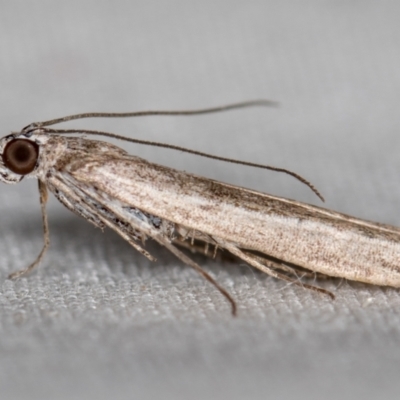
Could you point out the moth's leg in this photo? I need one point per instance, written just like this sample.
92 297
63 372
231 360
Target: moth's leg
199 243
215 254
270 267
292 270
98 218
199 247
194 248
187 260
74 206
43 200
125 236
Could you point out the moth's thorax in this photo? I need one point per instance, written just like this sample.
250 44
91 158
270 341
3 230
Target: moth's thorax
51 149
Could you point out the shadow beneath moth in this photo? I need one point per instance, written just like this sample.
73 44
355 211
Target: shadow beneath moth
139 200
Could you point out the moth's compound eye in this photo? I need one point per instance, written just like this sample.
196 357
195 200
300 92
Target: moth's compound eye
20 156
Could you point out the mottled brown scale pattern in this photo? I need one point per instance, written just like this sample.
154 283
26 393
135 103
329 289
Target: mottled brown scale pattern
139 199
306 235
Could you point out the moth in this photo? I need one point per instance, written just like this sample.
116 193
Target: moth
139 200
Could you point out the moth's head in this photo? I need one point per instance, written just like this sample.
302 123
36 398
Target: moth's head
18 157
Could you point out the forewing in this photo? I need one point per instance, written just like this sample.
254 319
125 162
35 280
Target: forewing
201 203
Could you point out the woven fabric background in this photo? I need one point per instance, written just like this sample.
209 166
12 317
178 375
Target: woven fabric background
97 320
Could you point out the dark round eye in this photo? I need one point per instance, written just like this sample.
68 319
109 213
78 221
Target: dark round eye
20 156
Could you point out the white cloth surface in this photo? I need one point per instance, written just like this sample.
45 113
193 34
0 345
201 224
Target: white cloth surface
96 320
